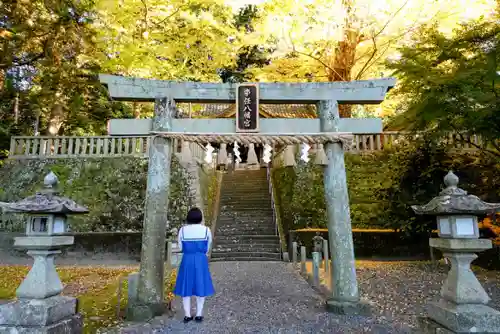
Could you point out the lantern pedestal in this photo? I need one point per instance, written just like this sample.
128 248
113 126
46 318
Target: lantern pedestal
462 307
40 308
56 314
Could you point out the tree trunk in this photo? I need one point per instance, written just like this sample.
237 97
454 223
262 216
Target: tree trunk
2 80
342 61
56 120
16 108
136 110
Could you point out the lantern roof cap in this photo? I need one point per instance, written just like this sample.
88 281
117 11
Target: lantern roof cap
46 201
455 201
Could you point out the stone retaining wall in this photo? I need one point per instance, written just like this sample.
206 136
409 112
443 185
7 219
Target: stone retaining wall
124 246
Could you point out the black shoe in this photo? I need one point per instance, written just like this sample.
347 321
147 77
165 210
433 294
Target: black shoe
198 319
187 319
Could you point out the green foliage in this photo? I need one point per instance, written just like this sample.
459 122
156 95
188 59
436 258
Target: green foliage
383 185
417 172
451 83
181 40
250 57
209 183
113 189
300 191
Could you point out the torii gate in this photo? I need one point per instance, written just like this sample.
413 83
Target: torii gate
331 130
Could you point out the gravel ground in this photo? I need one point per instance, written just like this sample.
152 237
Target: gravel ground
265 297
399 290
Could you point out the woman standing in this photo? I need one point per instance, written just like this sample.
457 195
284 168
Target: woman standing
193 276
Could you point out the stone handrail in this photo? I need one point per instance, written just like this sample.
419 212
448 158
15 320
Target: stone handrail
44 147
47 147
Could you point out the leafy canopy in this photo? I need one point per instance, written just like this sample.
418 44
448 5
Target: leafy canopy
451 84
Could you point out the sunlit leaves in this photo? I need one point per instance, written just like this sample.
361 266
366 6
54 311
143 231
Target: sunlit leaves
451 83
186 40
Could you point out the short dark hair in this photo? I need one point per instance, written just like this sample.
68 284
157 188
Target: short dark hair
194 216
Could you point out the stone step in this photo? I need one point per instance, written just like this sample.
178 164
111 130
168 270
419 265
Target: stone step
245 248
248 198
268 229
242 202
249 244
249 210
243 226
260 239
258 181
245 193
234 206
261 219
242 229
261 211
253 255
237 232
245 221
254 193
249 181
245 176
256 216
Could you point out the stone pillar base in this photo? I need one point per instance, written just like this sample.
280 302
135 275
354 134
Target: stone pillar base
286 257
56 314
141 312
428 326
361 307
464 318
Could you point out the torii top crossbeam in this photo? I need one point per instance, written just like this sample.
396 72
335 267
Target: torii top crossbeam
352 92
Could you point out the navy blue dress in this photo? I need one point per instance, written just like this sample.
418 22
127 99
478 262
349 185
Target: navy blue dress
193 276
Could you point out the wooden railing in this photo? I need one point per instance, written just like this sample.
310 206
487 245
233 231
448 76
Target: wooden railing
44 147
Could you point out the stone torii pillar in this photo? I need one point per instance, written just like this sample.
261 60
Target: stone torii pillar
150 299
345 295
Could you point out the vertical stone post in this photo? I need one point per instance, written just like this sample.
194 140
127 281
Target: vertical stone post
150 301
345 295
294 252
315 267
303 259
325 257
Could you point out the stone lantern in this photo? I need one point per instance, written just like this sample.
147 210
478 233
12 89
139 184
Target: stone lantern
462 307
39 307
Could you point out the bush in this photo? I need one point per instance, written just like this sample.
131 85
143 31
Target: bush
112 189
416 176
300 191
383 185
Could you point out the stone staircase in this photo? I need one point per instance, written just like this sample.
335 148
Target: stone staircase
245 229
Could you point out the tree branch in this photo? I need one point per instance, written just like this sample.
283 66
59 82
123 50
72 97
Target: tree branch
365 66
6 66
168 17
312 57
146 14
374 37
470 142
